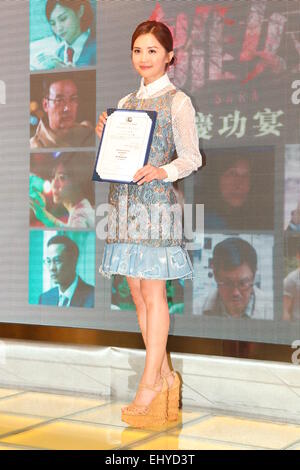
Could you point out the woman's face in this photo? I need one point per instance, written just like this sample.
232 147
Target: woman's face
65 23
149 57
235 184
63 188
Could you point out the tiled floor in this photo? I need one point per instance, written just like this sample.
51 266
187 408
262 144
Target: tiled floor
35 420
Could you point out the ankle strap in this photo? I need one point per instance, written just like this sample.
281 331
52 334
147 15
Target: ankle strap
172 372
144 386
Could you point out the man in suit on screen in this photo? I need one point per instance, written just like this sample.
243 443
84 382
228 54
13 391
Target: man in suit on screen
70 290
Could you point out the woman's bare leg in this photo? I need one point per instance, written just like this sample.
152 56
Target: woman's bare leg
157 329
141 311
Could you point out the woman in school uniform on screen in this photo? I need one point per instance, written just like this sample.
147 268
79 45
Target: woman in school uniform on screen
73 43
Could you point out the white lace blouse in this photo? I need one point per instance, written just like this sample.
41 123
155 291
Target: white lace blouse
184 128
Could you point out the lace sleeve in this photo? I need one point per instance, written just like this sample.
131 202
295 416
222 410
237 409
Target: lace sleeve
186 139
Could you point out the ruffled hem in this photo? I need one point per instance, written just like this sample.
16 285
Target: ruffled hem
146 262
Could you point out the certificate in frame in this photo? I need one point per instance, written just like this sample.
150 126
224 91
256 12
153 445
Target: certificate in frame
130 134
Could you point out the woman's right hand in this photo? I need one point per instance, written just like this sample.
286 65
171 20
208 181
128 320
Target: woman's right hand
101 123
41 213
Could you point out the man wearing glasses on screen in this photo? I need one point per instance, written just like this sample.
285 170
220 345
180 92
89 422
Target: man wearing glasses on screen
70 290
234 266
59 128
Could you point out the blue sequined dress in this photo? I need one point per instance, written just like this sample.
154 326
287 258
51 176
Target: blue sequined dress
153 252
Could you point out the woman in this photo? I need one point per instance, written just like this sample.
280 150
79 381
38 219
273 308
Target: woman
71 22
233 192
71 187
148 263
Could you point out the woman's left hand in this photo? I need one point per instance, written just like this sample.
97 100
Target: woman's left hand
149 173
49 61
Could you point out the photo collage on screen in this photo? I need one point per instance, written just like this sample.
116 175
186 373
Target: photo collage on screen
235 265
62 153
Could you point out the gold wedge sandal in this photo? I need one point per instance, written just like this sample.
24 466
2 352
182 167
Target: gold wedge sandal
155 414
173 396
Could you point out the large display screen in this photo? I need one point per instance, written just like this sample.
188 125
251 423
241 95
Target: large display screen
239 61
